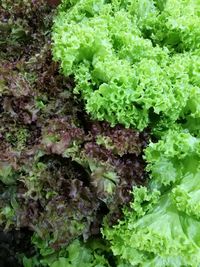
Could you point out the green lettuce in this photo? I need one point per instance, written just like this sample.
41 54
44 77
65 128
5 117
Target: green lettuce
160 234
186 195
78 254
161 228
176 26
123 57
74 255
172 157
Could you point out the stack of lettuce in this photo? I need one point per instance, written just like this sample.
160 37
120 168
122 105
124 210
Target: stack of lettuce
117 143
138 63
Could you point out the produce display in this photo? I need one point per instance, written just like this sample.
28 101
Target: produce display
100 133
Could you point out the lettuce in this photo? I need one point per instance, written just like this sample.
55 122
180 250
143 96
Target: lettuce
161 235
162 226
137 63
123 57
172 157
80 254
186 195
176 26
71 256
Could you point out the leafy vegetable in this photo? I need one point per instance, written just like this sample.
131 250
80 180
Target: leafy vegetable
160 234
79 254
186 195
68 171
120 54
131 65
75 254
162 228
173 157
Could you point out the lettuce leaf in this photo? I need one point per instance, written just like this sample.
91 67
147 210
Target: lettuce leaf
80 254
172 157
176 26
123 57
186 195
163 235
162 226
71 256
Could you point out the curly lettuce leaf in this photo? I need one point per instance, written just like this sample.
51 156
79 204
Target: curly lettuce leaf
186 195
162 226
74 255
80 254
176 26
120 55
161 236
172 157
